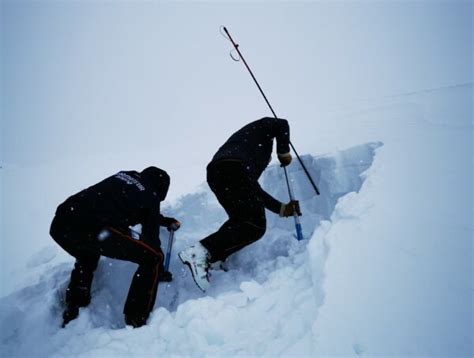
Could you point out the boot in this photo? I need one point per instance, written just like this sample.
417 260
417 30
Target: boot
76 297
69 314
197 259
135 321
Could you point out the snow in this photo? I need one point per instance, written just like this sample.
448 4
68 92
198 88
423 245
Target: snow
386 267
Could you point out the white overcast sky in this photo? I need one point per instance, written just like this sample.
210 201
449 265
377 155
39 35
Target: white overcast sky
103 86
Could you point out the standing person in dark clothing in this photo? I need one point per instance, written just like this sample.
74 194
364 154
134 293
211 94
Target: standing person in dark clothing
96 222
233 177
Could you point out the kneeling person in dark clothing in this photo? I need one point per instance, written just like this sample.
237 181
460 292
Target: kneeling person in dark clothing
96 222
233 177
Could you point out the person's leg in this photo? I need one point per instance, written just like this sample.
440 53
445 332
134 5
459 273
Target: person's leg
142 294
75 241
238 194
143 288
86 245
78 291
231 237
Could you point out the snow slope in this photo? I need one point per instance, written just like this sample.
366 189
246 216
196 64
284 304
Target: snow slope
386 268
402 247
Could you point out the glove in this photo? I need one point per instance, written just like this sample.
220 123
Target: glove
290 209
285 159
171 224
175 225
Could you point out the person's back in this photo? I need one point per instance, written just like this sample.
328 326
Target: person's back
253 143
121 200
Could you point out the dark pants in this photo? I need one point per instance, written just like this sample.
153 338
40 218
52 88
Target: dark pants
239 194
88 243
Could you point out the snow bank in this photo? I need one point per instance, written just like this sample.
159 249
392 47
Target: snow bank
399 272
266 304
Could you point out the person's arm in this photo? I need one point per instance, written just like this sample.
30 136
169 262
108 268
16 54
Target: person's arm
282 135
269 201
151 225
280 130
283 210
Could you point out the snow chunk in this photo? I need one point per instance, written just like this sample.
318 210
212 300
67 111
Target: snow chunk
252 289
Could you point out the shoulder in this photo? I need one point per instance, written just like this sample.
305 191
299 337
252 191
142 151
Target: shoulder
130 178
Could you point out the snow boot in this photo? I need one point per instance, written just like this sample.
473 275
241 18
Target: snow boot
136 321
197 258
76 297
69 314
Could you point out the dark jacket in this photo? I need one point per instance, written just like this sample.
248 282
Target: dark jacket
122 200
252 145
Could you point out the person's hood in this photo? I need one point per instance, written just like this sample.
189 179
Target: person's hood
158 178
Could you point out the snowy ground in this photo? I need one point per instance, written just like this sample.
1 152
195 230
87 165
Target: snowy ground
386 268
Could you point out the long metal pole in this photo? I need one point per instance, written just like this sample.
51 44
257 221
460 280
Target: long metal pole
236 46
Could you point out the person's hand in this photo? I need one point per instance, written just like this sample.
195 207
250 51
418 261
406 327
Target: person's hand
290 209
175 225
285 159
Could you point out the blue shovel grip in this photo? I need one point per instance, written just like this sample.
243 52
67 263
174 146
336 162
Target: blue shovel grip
299 232
167 261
